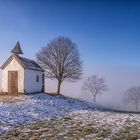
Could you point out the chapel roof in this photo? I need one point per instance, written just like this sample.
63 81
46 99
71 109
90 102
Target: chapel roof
29 64
24 62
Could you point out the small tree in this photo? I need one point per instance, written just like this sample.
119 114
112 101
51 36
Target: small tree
94 85
60 60
132 95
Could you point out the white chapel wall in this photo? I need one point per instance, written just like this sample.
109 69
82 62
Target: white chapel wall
13 66
30 81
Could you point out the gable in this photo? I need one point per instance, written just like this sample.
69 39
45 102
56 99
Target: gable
13 65
12 60
23 62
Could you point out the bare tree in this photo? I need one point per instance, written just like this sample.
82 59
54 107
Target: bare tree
132 95
60 60
94 85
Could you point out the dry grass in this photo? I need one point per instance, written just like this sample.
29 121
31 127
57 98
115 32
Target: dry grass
5 98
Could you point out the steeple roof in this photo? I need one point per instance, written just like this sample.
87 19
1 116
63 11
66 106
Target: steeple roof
17 49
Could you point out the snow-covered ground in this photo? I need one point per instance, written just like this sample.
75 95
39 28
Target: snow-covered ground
113 121
30 108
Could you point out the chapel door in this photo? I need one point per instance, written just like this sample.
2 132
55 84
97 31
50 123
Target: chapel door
12 82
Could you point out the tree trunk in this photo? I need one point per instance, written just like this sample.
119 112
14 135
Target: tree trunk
58 87
136 106
94 99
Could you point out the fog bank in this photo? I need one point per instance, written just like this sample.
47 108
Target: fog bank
118 80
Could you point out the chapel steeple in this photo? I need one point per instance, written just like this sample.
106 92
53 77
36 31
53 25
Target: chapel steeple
17 49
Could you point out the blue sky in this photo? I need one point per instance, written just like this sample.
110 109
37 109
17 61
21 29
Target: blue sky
106 31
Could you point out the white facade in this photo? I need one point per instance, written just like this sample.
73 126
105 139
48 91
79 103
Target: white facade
13 66
29 81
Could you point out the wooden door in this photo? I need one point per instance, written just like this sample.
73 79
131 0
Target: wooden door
12 82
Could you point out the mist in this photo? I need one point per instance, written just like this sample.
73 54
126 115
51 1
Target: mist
118 80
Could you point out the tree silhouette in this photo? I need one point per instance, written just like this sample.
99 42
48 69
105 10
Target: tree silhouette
132 95
94 85
61 60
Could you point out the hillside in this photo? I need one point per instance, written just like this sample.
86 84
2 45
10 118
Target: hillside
41 116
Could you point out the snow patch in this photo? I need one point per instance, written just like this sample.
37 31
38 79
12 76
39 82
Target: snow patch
37 107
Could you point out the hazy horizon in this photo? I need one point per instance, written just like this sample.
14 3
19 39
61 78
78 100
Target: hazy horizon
118 80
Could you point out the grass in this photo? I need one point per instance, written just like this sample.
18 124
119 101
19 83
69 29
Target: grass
67 128
5 98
